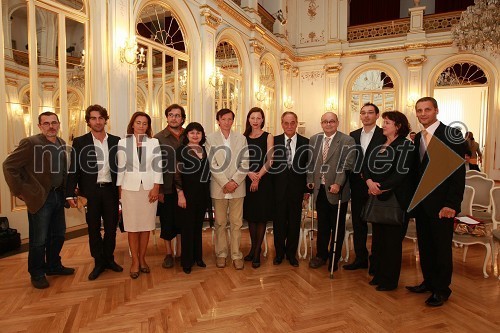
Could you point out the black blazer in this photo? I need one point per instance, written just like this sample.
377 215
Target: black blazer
83 169
393 169
451 191
358 184
294 179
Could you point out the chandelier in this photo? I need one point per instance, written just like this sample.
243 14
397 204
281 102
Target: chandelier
479 28
76 77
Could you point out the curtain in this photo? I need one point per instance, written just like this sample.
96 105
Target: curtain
369 11
443 6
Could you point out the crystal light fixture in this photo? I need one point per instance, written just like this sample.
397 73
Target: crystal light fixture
479 28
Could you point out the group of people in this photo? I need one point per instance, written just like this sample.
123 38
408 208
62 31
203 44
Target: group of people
180 173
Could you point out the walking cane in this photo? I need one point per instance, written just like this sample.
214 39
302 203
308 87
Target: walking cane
337 226
311 202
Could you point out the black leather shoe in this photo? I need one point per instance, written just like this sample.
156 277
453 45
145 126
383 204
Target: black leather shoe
187 270
316 262
277 260
248 257
436 300
256 263
420 289
373 282
384 288
114 267
356 265
200 263
294 262
61 271
96 272
40 282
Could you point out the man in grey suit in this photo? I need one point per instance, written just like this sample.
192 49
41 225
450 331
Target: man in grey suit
332 157
228 157
36 173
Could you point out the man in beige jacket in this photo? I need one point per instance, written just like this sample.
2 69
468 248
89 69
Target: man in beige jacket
228 157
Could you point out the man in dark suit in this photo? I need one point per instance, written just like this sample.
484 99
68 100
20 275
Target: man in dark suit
366 138
289 175
36 172
436 212
331 159
93 170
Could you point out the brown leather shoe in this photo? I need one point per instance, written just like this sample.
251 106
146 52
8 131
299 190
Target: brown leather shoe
221 262
238 264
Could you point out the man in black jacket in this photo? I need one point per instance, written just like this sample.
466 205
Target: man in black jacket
93 170
366 138
436 211
289 175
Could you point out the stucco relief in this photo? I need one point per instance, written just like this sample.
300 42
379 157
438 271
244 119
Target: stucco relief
311 77
312 37
312 9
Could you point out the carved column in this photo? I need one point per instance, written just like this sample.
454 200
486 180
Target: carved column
286 86
210 21
414 91
256 49
416 23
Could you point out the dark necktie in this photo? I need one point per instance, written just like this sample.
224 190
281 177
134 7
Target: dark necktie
288 153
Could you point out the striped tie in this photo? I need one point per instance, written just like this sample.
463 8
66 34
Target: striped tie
326 146
288 153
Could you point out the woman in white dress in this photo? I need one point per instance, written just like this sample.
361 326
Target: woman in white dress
139 179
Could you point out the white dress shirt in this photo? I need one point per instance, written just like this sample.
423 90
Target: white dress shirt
365 138
102 156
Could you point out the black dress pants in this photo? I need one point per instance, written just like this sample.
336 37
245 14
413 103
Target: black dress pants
287 225
327 219
103 203
360 228
191 234
435 247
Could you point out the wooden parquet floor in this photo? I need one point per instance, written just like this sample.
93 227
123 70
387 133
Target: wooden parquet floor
268 299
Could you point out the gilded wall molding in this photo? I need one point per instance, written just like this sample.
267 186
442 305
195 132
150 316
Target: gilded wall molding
49 86
333 68
414 61
295 71
285 65
212 18
256 46
11 82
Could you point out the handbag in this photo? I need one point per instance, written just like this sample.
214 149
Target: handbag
383 209
120 218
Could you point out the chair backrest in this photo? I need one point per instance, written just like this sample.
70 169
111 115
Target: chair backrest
482 187
466 207
495 201
475 173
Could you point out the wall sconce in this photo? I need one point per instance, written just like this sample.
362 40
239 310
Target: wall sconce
330 104
260 94
412 99
288 102
280 17
183 83
216 79
130 54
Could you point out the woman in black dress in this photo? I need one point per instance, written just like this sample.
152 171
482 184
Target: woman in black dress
388 172
192 179
257 206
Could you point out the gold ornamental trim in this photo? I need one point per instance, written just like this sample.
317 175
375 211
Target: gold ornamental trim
285 65
212 17
415 61
333 68
256 46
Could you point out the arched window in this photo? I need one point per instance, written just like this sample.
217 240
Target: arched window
372 86
164 79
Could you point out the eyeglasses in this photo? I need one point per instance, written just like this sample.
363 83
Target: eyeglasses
174 115
47 124
331 122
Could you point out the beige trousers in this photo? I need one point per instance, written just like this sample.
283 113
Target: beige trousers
232 209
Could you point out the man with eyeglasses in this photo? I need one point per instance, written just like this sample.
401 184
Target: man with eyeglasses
170 139
366 138
93 169
36 173
328 166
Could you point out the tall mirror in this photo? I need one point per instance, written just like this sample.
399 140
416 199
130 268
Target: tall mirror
228 92
17 77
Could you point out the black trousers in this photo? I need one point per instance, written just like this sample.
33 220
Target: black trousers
102 204
287 225
170 227
360 229
435 247
191 234
327 219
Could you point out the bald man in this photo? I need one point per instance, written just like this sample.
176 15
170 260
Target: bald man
332 157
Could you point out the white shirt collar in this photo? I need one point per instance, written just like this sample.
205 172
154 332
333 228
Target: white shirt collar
431 129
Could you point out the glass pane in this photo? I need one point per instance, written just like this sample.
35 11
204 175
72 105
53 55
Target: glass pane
76 114
226 58
74 4
183 80
389 101
18 107
142 80
168 94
